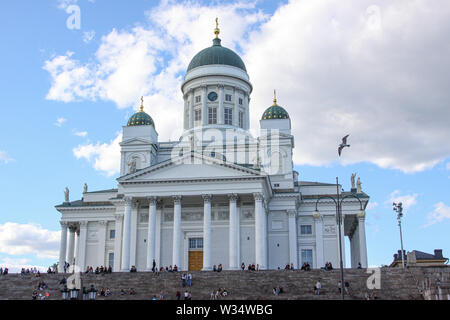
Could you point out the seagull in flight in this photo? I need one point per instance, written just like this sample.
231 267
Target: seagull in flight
343 145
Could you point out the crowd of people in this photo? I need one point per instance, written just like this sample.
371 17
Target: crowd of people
98 270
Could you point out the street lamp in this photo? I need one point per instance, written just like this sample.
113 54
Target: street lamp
338 203
65 293
398 207
74 294
92 293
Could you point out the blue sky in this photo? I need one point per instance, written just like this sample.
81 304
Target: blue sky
378 71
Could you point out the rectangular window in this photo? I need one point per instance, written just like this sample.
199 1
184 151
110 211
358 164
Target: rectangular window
305 229
307 256
241 119
198 99
228 116
228 97
212 115
111 260
112 234
195 243
198 115
240 101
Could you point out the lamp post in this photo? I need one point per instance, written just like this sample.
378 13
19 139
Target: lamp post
398 207
338 203
65 293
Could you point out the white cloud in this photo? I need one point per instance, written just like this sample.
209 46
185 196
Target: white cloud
376 72
5 158
448 166
20 239
88 36
407 201
82 134
104 156
60 121
441 212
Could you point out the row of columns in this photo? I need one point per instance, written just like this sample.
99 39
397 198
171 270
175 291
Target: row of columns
234 234
67 251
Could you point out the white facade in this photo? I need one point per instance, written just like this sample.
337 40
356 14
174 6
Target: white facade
218 194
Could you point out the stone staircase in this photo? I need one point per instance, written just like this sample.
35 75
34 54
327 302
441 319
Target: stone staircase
396 284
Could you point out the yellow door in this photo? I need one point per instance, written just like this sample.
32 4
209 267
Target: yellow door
195 260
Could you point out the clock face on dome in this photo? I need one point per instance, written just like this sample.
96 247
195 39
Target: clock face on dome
212 96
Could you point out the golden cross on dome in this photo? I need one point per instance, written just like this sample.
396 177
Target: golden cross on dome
217 30
142 104
274 97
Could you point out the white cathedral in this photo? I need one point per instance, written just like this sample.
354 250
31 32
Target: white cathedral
216 196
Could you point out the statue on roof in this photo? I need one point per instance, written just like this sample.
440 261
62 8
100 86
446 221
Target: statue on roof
358 186
66 195
353 180
85 188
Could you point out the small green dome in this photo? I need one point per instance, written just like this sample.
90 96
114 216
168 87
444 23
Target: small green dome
217 55
275 112
140 119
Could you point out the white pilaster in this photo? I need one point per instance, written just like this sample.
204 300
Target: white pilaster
259 229
126 235
71 253
220 111
176 253
362 239
102 242
293 251
118 242
62 247
236 108
82 245
204 108
191 109
343 241
158 236
233 233
318 226
151 235
207 232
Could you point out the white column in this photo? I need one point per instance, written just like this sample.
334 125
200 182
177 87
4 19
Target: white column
293 251
176 252
151 235
342 239
204 107
207 232
158 236
220 111
259 229
101 243
77 245
233 233
126 235
118 242
362 239
191 108
264 265
82 246
133 232
318 226
70 254
62 247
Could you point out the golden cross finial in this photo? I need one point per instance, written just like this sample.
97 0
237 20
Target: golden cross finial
274 97
142 104
217 30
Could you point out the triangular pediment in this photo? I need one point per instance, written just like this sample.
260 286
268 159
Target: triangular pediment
191 167
135 142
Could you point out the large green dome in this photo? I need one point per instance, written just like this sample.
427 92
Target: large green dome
216 55
275 112
140 119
